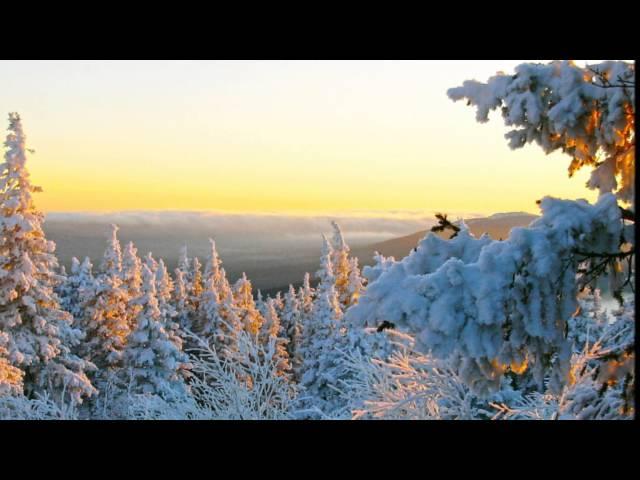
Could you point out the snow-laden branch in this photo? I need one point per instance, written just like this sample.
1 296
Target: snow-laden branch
563 106
494 306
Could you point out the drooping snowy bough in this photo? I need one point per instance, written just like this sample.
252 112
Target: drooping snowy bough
587 112
495 306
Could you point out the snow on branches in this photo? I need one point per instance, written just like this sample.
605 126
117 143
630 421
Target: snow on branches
587 112
37 334
495 306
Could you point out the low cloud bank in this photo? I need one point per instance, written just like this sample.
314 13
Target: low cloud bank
361 226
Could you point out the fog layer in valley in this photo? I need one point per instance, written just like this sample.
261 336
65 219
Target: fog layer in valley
274 250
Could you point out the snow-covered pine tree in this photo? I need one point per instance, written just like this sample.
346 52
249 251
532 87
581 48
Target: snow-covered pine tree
318 354
38 334
306 294
77 286
112 258
164 290
62 288
349 283
278 303
106 321
181 301
326 279
326 274
184 264
196 285
291 322
153 362
340 264
210 325
213 269
355 284
216 315
245 307
131 270
10 376
261 304
151 262
107 317
182 295
131 275
270 337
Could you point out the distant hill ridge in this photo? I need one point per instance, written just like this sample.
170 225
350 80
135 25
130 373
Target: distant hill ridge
497 226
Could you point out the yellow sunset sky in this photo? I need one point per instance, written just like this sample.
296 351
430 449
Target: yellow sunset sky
299 137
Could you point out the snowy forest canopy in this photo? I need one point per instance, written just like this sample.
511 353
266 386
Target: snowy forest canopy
461 328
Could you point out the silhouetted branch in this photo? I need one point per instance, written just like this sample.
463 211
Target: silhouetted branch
443 224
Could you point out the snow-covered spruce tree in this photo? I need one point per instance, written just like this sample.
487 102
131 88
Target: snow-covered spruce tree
319 357
356 282
309 298
291 324
270 331
151 262
196 285
213 269
348 281
10 376
180 300
245 307
38 334
131 275
209 324
217 321
306 294
112 258
278 303
182 297
75 288
131 270
261 304
325 342
326 273
321 334
106 322
164 289
107 317
184 264
152 360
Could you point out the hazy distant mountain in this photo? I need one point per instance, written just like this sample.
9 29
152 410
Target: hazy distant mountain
497 226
